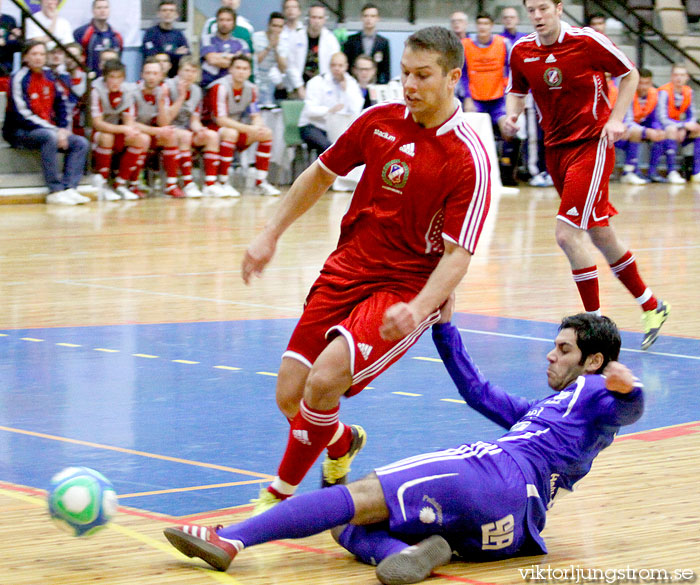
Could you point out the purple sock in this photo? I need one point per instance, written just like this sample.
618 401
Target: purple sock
632 155
370 544
696 156
671 149
296 517
655 157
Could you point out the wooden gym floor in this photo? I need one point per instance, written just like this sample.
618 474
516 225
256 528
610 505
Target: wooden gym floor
129 344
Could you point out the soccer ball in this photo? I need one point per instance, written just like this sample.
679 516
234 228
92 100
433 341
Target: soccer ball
81 500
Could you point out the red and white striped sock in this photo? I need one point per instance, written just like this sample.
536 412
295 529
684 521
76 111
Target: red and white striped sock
310 433
626 271
586 280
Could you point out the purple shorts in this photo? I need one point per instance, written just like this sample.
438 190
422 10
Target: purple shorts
475 496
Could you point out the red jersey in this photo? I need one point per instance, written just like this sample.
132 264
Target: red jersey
420 185
567 81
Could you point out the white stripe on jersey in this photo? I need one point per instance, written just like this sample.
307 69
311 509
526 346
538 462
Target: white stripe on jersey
580 383
475 213
478 450
602 40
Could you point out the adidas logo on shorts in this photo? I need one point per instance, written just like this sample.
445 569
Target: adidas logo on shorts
365 349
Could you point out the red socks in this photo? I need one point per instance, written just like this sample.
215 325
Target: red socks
586 280
626 270
310 432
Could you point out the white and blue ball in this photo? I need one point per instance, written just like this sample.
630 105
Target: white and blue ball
81 500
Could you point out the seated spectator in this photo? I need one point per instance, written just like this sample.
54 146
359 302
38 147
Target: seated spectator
330 93
10 43
182 108
271 61
148 95
97 35
77 79
642 125
164 37
107 55
369 42
231 106
243 29
48 16
114 125
364 71
165 62
677 117
216 55
37 119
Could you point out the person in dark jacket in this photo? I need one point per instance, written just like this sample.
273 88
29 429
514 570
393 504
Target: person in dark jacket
37 118
368 42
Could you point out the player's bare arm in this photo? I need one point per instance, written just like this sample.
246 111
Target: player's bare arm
515 105
615 127
302 195
402 318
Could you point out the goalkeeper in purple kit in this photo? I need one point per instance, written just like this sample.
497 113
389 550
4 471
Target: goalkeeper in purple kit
485 500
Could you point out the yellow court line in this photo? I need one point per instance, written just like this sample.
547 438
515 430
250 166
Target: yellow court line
191 489
104 349
226 368
169 550
267 374
406 394
427 359
188 362
152 542
145 355
69 345
31 339
135 452
452 400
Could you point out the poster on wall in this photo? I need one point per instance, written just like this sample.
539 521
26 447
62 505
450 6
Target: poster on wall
125 15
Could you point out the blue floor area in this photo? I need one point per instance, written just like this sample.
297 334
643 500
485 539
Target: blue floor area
173 390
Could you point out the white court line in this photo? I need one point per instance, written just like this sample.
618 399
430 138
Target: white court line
170 275
647 352
176 296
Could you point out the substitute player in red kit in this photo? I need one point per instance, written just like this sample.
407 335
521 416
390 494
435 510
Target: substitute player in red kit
565 68
405 243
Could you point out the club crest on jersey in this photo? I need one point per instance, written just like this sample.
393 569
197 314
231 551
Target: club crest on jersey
552 77
395 173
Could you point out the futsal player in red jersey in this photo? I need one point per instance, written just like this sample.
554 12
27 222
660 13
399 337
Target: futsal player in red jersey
565 68
405 243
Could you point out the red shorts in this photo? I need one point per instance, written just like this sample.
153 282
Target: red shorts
581 172
241 143
356 313
118 142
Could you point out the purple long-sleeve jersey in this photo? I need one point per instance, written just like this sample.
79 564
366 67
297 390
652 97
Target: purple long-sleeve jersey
553 440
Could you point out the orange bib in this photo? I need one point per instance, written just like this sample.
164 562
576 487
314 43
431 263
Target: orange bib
641 111
485 68
674 112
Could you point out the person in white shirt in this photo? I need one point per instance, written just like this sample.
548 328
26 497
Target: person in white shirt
327 94
291 36
58 26
311 55
270 59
